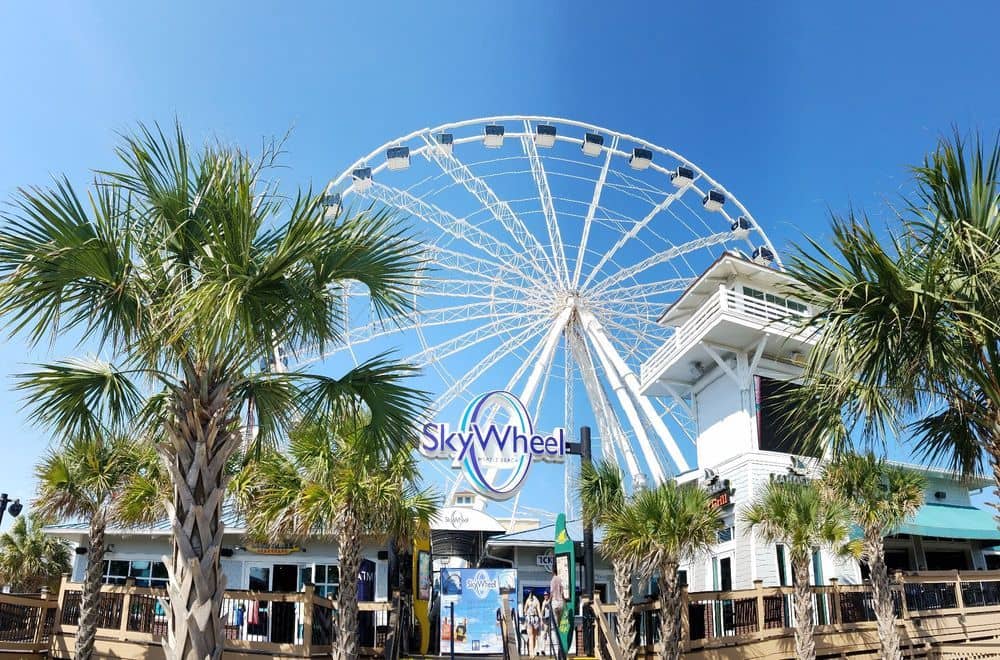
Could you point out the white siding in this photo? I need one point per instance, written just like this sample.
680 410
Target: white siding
723 423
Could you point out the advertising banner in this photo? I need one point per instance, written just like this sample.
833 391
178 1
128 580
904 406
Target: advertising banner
476 595
565 561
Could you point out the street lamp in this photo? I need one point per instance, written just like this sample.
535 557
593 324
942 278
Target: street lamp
14 508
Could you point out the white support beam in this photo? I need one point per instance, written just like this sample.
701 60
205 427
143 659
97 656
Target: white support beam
714 354
545 199
592 209
631 414
596 332
679 399
612 435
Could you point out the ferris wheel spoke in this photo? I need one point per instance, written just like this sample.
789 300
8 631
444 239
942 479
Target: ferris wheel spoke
591 210
494 357
466 340
649 290
470 265
498 208
666 255
456 227
545 199
632 233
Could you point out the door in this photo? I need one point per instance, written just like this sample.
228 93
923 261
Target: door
722 574
285 579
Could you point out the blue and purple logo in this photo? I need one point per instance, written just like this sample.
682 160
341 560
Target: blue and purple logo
483 450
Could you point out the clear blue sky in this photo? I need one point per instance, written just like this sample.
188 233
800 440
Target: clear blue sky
797 108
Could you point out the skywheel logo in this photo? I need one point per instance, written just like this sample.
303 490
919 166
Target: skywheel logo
495 458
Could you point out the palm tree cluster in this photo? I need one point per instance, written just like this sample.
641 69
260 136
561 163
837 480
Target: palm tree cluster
329 483
186 270
648 534
31 559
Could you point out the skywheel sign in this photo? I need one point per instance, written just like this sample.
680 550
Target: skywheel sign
495 458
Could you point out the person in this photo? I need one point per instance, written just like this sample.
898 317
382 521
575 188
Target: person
533 617
547 624
558 595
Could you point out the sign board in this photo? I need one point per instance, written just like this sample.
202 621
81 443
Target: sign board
494 458
565 558
477 597
423 583
546 561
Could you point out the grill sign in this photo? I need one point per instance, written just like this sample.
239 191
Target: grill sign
483 450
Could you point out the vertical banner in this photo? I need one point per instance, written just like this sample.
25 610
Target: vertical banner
422 584
476 594
565 562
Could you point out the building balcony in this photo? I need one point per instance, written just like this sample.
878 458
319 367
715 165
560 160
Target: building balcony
728 320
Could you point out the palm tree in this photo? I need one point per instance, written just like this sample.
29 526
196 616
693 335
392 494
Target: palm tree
912 324
879 497
81 479
657 530
31 559
188 270
602 494
333 484
802 518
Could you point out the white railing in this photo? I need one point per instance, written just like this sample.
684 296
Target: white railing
724 301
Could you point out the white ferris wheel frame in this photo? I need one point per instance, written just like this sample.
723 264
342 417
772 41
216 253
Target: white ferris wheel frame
586 338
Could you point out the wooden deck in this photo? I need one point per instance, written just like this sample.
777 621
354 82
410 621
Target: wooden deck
942 614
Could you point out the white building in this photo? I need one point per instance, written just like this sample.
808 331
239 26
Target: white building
729 354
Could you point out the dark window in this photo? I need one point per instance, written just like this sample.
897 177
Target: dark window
782 575
726 574
774 431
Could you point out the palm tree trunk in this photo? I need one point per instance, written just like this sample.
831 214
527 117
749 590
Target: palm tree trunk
345 646
202 434
888 634
626 612
805 645
670 615
90 599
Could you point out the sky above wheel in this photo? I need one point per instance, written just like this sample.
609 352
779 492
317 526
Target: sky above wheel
797 109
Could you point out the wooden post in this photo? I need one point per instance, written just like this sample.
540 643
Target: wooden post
43 611
61 598
126 608
685 623
835 588
758 586
307 618
959 599
898 575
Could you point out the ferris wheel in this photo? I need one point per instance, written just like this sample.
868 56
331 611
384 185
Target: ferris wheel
552 248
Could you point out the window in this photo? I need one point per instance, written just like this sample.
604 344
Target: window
327 580
782 575
774 300
725 534
463 499
146 573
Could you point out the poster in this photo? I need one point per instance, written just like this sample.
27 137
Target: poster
424 575
476 595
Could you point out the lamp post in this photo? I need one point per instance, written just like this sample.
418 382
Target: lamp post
14 508
583 449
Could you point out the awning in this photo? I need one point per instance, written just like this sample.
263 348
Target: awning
952 522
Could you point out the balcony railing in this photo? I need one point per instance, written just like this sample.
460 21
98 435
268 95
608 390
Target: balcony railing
931 607
724 302
296 625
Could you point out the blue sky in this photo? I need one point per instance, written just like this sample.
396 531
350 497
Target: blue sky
798 108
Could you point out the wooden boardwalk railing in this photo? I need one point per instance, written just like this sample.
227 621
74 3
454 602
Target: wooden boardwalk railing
934 608
26 623
132 622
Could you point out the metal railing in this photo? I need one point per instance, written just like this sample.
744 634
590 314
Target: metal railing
723 302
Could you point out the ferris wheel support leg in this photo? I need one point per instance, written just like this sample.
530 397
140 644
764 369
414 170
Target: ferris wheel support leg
621 391
593 328
612 435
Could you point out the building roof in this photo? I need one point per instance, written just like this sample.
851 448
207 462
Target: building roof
233 522
542 536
